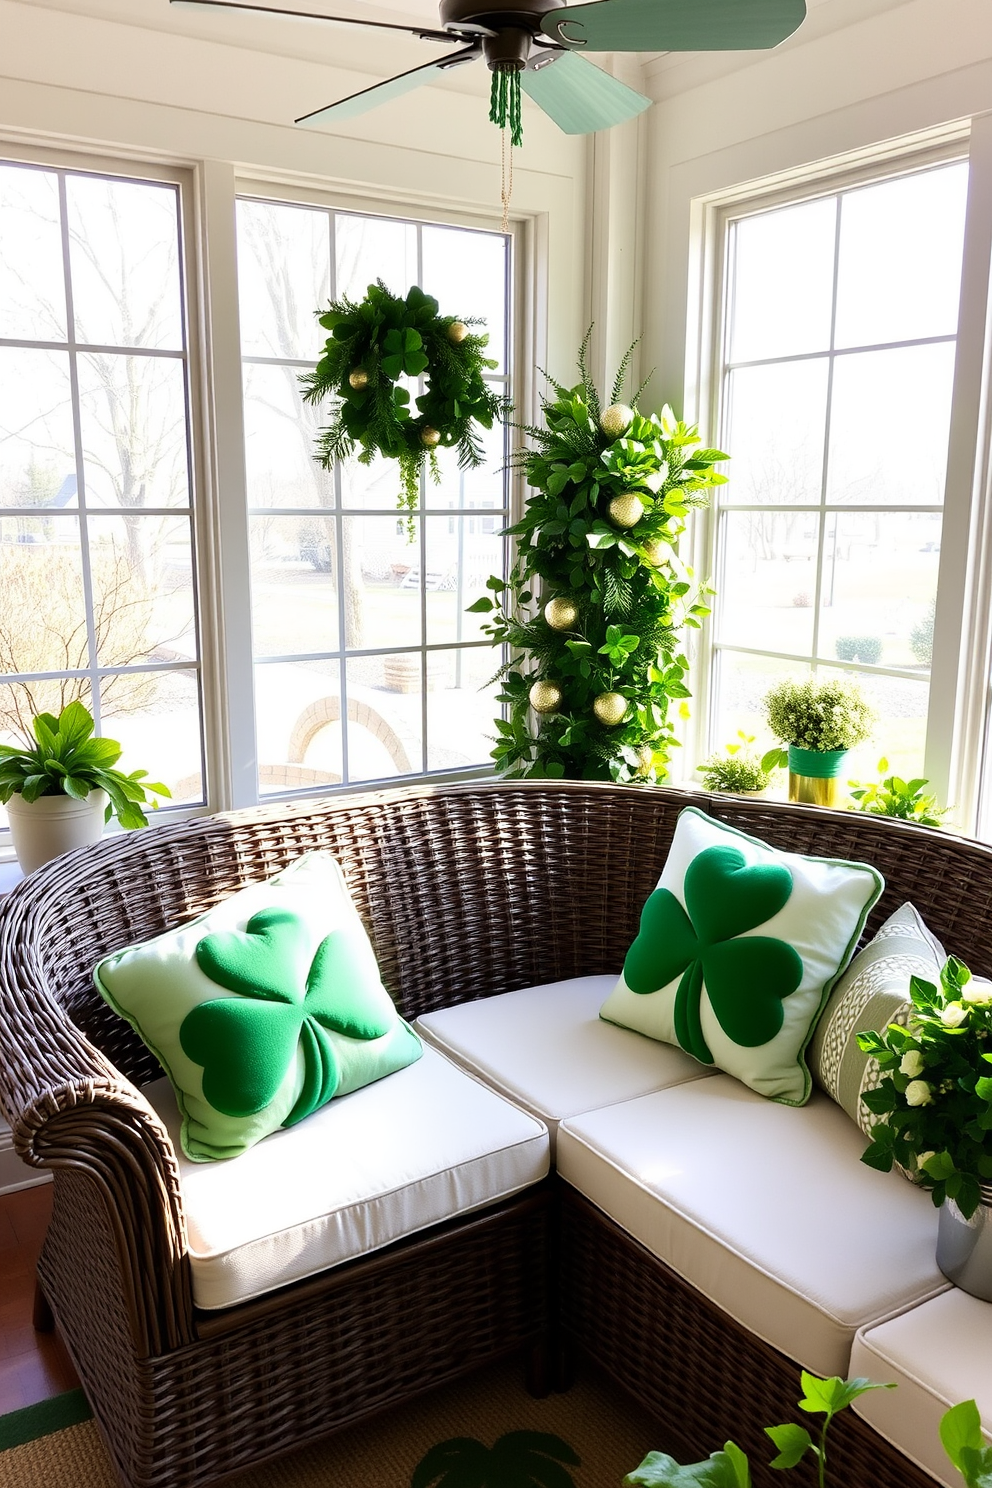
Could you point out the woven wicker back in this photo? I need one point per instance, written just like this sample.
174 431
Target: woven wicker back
466 890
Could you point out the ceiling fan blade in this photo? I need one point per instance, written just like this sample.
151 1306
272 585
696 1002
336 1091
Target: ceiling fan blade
675 25
579 96
395 87
306 15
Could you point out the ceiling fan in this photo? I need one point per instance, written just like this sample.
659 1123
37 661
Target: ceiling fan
536 45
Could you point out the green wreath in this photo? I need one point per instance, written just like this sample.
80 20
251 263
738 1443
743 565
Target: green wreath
371 346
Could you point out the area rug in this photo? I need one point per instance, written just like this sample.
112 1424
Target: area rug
604 1428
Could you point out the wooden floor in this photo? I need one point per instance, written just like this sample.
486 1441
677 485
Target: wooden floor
33 1366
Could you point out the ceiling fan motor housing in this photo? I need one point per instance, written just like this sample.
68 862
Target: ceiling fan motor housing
507 33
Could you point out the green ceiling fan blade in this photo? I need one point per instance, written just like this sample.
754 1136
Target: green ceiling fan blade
425 33
579 96
675 25
370 98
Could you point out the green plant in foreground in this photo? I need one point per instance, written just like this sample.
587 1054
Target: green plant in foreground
821 716
933 1101
521 1459
893 796
960 1433
66 761
735 770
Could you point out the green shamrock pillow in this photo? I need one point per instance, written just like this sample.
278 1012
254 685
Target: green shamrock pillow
263 1009
738 949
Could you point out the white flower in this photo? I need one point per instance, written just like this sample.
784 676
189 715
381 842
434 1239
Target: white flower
922 1158
912 1064
918 1093
979 993
953 1015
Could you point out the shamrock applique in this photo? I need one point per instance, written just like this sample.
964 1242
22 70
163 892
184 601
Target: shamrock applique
285 1001
746 976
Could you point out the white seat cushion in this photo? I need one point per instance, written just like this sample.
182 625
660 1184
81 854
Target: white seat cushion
764 1207
548 1050
423 1145
938 1354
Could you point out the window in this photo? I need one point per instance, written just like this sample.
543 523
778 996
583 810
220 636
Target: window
836 382
97 594
367 666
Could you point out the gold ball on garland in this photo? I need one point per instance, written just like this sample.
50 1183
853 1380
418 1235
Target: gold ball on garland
645 759
545 697
655 552
430 437
561 614
627 510
457 331
610 708
616 419
358 379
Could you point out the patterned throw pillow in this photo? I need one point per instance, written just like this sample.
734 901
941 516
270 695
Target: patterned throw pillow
738 949
263 1009
872 993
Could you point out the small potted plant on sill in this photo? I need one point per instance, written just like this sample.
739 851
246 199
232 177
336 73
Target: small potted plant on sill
934 1104
818 722
906 800
60 790
736 772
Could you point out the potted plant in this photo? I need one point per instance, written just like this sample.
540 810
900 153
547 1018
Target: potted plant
61 789
934 1104
736 772
520 1459
892 796
818 722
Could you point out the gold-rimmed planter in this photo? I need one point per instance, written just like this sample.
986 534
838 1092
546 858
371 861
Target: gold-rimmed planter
814 775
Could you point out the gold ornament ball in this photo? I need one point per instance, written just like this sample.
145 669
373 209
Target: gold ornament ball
610 708
645 758
655 552
358 379
561 614
626 511
430 437
545 697
616 419
457 331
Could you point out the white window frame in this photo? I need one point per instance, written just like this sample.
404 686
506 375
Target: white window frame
960 695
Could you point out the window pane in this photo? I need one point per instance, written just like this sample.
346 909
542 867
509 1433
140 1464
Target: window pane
775 433
382 570
767 583
20 701
462 552
374 487
37 450
143 602
124 252
133 424
284 277
900 258
42 609
280 430
156 720
466 274
740 686
461 707
32 283
783 282
900 732
889 423
879 585
298 722
385 714
293 589
479 485
371 248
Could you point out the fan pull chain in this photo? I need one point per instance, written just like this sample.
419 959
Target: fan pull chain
506 185
505 111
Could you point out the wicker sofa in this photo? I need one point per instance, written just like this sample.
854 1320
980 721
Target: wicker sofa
468 891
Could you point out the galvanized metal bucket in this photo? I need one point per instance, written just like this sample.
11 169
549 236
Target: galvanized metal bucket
964 1246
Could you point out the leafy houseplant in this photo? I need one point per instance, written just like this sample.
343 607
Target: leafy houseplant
67 773
934 1102
818 722
893 796
960 1433
598 656
737 770
521 1459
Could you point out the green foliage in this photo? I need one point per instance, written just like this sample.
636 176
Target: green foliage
934 1100
736 770
961 1435
726 1469
520 1459
921 636
633 592
389 338
818 715
893 796
66 761
867 649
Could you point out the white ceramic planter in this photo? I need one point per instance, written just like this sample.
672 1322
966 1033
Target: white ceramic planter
43 829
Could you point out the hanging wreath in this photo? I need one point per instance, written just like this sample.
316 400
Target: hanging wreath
375 344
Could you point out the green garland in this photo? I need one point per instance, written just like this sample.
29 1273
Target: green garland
371 346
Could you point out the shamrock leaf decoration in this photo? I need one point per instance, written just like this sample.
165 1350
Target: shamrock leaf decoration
746 976
285 1001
